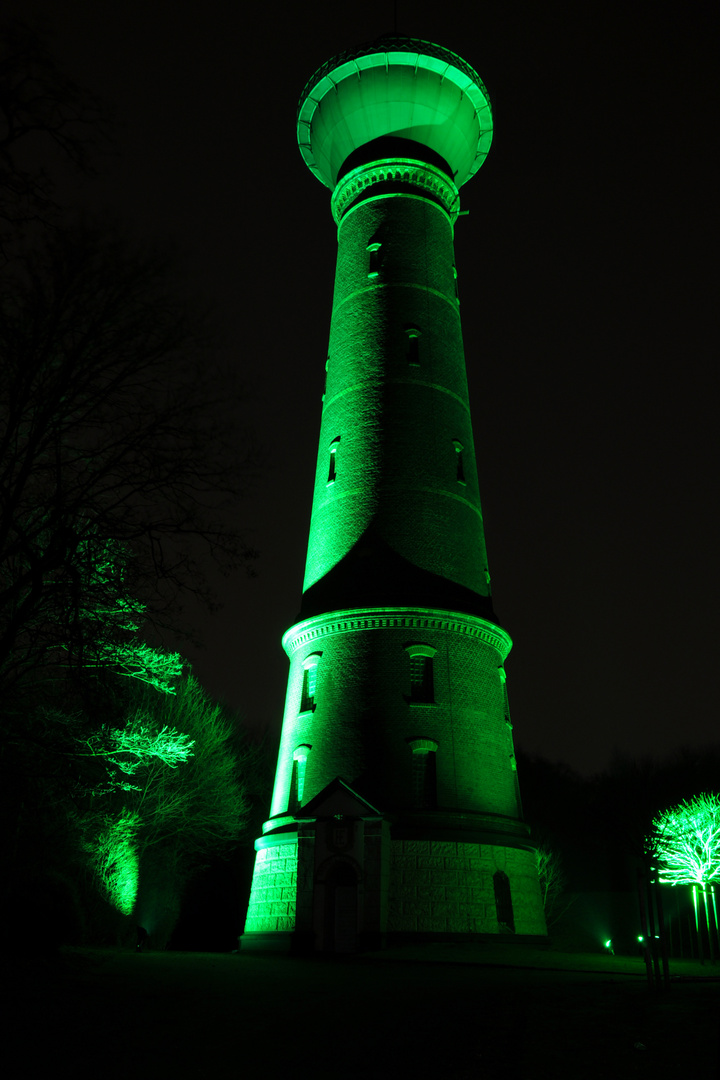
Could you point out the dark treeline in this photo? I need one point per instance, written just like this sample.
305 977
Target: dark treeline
121 471
599 824
596 831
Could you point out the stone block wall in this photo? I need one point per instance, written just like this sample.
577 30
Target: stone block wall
273 897
447 887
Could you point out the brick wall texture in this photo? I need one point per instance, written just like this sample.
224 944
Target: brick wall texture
397 423
364 716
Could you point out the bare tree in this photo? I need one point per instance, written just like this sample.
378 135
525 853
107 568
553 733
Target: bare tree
118 459
552 884
47 123
121 467
118 453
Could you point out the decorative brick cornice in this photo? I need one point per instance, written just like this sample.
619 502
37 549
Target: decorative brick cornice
408 619
415 174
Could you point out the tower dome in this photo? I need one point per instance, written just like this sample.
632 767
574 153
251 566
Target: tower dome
395 88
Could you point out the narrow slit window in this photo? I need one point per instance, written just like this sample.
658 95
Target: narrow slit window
459 463
373 251
332 469
413 346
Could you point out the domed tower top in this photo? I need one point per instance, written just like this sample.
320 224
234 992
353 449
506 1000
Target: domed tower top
396 89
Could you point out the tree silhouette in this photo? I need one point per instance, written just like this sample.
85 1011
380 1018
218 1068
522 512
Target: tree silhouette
119 454
121 468
48 123
114 458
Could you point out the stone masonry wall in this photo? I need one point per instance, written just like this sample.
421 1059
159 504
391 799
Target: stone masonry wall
447 887
273 897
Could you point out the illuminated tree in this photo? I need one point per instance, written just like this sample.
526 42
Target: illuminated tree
686 842
120 469
114 859
108 620
173 798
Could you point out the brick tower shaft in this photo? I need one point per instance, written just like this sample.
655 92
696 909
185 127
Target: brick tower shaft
396 498
396 809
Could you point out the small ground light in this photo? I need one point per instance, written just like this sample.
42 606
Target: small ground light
609 946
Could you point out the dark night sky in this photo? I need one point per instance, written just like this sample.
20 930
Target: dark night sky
586 281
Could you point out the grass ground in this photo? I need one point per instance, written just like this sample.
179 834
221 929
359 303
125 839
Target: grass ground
488 1012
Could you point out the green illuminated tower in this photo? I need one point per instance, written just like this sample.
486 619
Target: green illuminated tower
396 811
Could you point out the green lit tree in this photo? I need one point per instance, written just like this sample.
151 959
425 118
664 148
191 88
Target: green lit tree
686 842
120 468
108 620
172 798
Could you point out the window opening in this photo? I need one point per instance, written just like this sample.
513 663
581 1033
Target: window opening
421 678
422 682
300 756
503 901
424 773
332 470
310 669
374 260
460 467
413 346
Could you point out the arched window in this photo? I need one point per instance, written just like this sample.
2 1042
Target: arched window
413 346
424 773
503 901
374 260
297 786
310 672
422 676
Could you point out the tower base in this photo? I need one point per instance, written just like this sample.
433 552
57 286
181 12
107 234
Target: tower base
344 881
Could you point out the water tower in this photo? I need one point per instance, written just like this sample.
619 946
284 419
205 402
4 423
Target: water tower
396 811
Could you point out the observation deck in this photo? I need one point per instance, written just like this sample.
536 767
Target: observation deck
387 96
